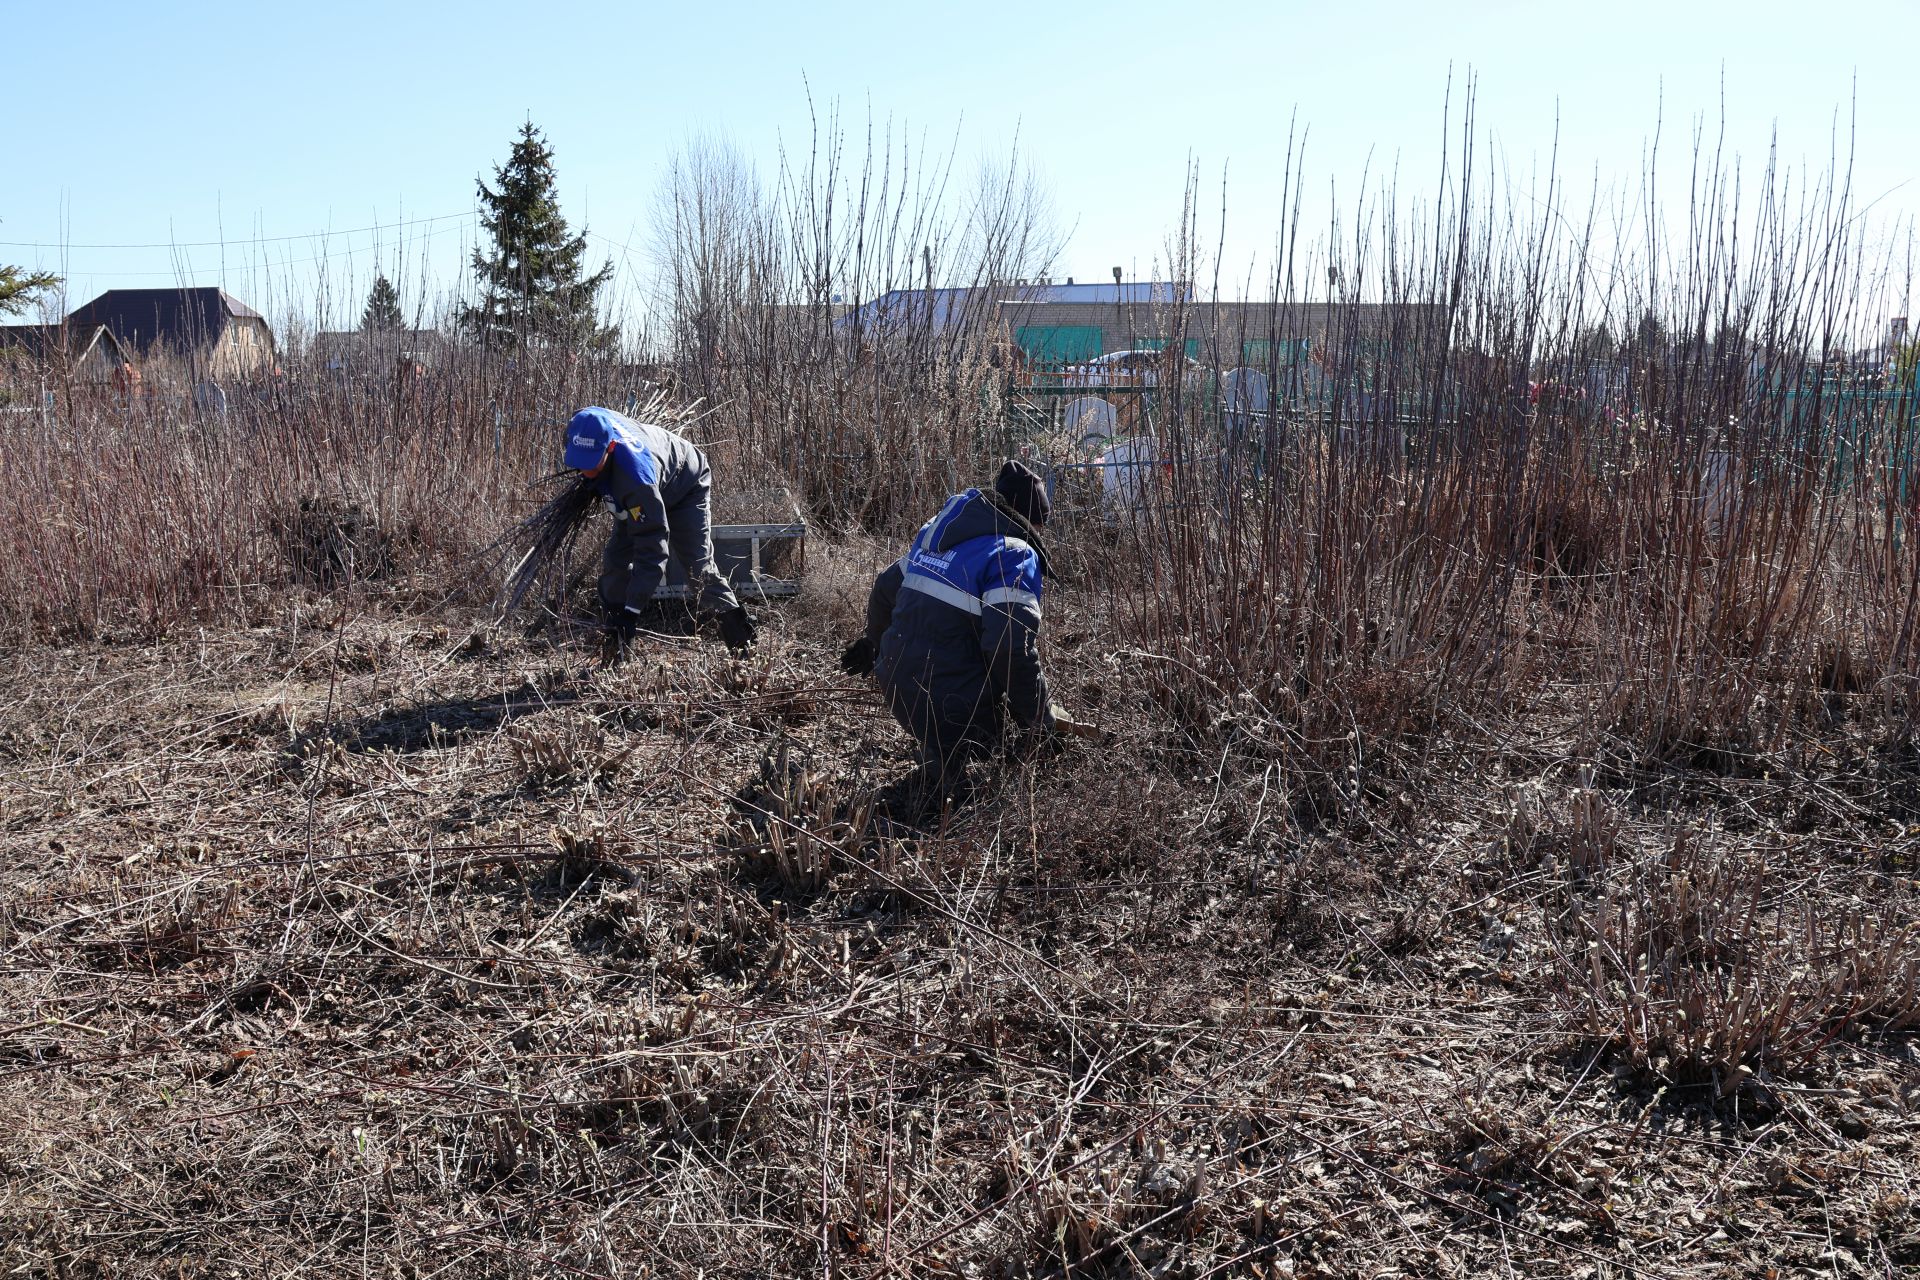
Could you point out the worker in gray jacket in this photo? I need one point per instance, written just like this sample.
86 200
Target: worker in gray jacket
953 626
658 488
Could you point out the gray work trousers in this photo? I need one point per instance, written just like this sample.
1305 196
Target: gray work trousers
690 542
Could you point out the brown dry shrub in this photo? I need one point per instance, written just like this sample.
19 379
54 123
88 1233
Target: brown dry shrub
327 541
1687 966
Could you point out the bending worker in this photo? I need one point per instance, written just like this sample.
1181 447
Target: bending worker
659 488
953 626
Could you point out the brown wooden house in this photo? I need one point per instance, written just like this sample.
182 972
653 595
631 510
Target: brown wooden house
214 333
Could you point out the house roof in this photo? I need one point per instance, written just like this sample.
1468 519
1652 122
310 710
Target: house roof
34 339
336 338
1139 293
906 306
183 317
338 347
947 306
46 341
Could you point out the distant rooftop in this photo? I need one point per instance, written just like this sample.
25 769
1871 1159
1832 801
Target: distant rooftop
139 317
51 341
1138 293
950 305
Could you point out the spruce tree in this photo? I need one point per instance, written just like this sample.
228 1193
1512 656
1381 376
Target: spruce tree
383 309
1650 336
532 288
1595 343
18 287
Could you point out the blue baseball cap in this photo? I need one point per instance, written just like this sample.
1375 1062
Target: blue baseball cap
589 433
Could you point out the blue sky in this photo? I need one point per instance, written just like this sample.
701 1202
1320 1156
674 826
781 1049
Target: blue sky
179 125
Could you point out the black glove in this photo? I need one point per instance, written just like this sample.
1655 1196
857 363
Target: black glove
623 625
737 629
857 658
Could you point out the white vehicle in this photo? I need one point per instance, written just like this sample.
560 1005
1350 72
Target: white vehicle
1139 368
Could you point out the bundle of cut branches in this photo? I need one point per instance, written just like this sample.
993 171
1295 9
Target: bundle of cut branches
536 553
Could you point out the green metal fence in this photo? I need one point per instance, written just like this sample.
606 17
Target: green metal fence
1060 344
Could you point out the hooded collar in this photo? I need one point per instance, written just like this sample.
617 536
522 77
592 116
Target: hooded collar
978 514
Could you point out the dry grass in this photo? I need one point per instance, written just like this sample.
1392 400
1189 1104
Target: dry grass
1701 966
377 946
1499 857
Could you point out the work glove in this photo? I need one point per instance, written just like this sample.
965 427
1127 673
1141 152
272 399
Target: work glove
857 658
623 626
1061 724
737 629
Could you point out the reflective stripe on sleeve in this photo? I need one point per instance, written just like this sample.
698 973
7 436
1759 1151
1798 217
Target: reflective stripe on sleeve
945 593
1012 595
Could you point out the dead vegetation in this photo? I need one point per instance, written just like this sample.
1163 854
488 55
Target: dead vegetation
1703 965
505 965
1498 854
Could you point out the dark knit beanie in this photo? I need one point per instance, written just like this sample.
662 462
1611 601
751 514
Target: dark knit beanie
1021 488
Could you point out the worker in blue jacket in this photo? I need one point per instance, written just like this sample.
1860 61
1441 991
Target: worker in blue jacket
658 488
953 626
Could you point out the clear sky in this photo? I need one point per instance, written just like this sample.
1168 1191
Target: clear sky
207 126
